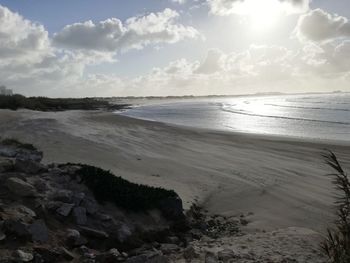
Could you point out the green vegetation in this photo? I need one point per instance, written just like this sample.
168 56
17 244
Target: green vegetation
16 101
107 187
18 144
337 244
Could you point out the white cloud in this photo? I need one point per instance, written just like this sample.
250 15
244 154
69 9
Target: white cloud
20 39
242 7
181 2
318 25
112 35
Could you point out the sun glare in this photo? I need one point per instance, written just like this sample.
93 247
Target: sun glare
262 15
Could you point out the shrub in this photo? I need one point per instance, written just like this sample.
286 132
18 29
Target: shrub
18 144
130 196
16 101
337 243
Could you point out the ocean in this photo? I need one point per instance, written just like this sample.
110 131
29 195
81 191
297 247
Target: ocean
314 116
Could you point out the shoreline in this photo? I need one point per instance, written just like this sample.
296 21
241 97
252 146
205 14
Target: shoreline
277 183
262 136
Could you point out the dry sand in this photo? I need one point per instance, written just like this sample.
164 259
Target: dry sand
281 183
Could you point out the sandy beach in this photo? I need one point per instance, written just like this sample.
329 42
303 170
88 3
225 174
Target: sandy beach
276 182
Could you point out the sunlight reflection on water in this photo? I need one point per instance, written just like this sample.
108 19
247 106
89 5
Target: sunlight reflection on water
309 116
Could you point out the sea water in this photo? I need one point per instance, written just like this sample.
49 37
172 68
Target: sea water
312 116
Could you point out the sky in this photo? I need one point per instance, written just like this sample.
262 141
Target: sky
173 47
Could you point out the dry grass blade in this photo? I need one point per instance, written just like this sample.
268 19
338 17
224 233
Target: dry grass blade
337 243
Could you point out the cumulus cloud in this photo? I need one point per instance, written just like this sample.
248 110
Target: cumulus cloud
21 39
318 25
228 7
112 35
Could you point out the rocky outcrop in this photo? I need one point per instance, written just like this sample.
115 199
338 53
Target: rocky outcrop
48 214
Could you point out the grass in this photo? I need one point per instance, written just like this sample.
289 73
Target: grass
17 101
18 144
107 187
337 243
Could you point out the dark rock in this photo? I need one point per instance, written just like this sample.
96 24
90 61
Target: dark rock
90 205
53 205
40 185
210 258
226 255
17 228
65 209
55 172
173 240
104 217
39 231
29 166
6 165
78 198
52 255
79 214
62 195
90 232
74 239
151 257
189 253
123 233
20 187
2 236
22 256
113 255
29 155
8 151
169 248
21 209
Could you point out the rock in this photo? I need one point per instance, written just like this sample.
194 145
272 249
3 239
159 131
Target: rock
79 214
210 258
173 240
90 205
8 151
62 195
93 232
169 248
78 198
59 254
123 233
29 155
55 171
74 239
104 217
29 166
6 165
25 210
20 187
65 209
189 253
2 236
148 258
17 228
40 185
113 255
137 259
39 231
226 255
53 205
22 256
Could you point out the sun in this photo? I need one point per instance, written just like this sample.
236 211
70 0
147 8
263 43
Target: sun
262 14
